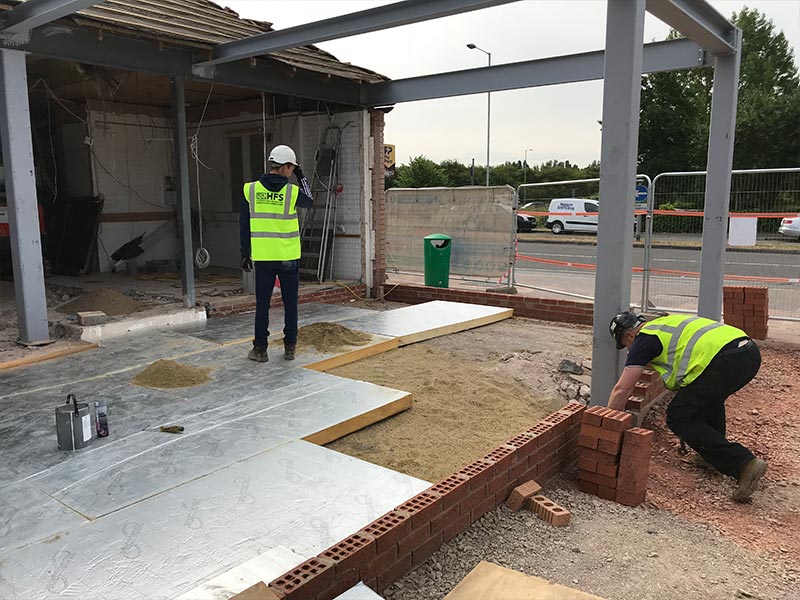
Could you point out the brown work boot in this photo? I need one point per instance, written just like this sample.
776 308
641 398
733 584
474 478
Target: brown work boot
749 478
258 354
288 351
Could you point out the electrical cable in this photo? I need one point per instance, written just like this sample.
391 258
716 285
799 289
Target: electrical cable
202 257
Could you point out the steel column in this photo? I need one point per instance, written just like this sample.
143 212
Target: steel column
182 182
623 72
718 181
23 210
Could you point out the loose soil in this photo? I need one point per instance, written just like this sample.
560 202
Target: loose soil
109 301
168 374
330 337
475 389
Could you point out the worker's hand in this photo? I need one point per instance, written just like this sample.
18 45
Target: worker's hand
247 264
298 172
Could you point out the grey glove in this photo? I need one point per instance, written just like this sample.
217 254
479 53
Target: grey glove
247 264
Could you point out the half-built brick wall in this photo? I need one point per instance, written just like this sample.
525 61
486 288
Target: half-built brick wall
242 304
402 539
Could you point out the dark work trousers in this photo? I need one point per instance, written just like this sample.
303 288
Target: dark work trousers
697 413
288 273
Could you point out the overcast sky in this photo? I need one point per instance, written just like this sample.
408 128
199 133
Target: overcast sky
557 122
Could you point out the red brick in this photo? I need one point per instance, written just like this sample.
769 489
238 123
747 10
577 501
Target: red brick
601 434
502 457
610 482
423 507
456 526
587 487
607 447
587 464
521 493
618 422
389 529
415 539
635 403
351 553
588 441
601 457
549 511
443 520
341 585
425 550
607 470
632 485
482 508
306 580
631 499
606 493
394 571
525 443
638 436
641 390
478 472
452 490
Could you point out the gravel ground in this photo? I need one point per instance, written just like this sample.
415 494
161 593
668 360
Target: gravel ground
610 550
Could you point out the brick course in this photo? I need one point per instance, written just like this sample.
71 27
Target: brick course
747 308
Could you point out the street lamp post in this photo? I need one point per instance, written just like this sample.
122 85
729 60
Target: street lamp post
525 173
488 110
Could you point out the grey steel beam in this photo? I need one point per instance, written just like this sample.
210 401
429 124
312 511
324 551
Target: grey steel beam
587 66
718 181
33 13
621 100
698 21
69 43
182 182
364 21
23 210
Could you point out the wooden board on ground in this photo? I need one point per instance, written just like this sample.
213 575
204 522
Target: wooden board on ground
488 581
37 358
335 432
374 349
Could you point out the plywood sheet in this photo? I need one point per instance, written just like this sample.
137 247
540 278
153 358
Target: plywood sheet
488 581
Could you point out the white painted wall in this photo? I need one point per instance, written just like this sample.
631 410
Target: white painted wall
131 155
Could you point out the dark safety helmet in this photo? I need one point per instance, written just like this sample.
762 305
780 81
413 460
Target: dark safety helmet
621 323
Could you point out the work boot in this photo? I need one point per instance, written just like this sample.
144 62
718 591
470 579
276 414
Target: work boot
288 351
749 478
258 354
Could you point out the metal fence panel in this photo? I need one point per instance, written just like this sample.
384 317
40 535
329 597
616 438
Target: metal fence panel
760 200
480 220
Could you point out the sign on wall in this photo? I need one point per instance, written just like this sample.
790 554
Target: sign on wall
388 158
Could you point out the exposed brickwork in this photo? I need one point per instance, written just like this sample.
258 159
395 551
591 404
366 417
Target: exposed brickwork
549 512
747 308
546 309
614 457
403 538
247 303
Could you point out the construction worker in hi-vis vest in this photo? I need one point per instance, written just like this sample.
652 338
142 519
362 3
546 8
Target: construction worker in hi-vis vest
703 362
270 244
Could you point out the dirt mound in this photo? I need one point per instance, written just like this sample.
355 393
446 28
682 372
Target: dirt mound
330 337
110 302
168 374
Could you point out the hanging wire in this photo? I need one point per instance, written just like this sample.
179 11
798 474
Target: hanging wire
264 127
202 257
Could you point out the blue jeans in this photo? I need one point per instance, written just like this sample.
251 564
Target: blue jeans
288 273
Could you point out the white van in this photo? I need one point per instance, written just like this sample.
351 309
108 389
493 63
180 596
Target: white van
577 214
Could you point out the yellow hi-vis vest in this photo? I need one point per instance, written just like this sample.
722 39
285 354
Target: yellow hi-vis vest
688 346
274 229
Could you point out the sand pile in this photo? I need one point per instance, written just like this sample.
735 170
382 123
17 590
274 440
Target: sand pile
168 374
110 302
330 337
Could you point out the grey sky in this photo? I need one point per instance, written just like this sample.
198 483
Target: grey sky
558 122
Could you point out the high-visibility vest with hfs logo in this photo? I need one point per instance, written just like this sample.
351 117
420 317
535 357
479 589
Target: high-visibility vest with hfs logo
688 345
274 229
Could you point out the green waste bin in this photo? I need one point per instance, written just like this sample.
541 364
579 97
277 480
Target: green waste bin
437 260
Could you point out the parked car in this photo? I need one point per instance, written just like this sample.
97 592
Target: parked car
790 227
525 223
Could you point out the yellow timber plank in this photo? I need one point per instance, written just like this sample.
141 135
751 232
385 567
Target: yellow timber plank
455 327
349 357
488 581
37 358
326 436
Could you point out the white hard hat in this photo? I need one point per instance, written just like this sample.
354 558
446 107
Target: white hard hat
282 155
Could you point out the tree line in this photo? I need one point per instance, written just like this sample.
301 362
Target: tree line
674 120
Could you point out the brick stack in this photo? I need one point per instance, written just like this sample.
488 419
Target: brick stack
648 389
747 308
613 457
402 539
